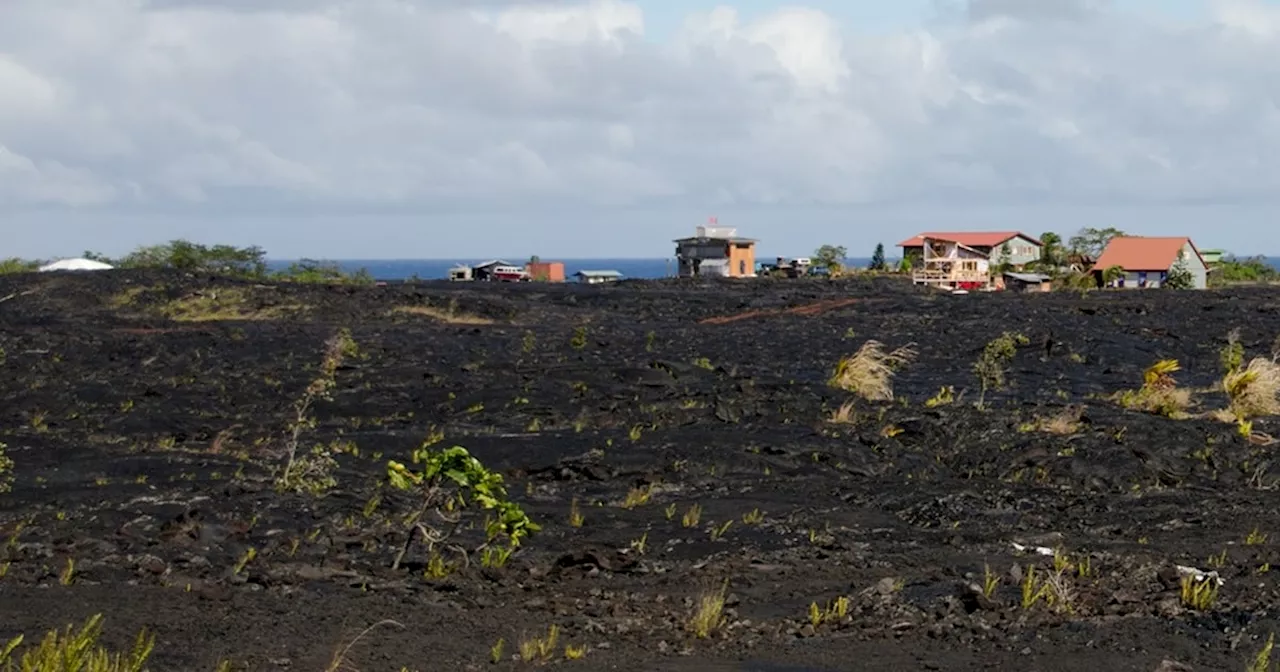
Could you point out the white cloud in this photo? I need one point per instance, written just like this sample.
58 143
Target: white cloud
304 105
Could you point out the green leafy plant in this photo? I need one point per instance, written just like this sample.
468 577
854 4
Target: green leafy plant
447 482
991 367
1232 354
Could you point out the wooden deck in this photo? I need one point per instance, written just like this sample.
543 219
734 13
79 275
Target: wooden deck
955 277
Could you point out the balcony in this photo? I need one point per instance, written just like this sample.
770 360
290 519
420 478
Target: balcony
934 277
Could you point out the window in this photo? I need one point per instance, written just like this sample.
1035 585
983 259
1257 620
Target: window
968 265
1142 278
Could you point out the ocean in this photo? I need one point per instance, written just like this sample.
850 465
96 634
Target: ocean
438 269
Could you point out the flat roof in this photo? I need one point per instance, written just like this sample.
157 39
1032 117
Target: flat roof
707 239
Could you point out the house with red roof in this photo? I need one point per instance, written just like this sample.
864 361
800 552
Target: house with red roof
965 259
1145 262
1023 249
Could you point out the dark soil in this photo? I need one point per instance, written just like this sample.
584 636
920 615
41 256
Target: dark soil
144 449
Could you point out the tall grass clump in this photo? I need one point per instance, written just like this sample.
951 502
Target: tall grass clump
1253 391
869 371
76 650
1159 393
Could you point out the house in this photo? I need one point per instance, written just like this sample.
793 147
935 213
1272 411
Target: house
947 264
716 251
1021 248
1027 282
499 270
461 273
597 277
545 271
1145 262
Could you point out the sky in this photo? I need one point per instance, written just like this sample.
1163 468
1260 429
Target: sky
463 129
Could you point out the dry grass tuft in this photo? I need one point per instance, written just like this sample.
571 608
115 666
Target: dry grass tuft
1253 391
444 315
845 415
225 305
1159 393
1065 422
869 372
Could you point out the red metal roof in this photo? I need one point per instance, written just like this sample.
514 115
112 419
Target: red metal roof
1139 253
969 238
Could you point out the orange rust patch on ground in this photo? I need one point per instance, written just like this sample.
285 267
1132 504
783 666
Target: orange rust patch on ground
808 310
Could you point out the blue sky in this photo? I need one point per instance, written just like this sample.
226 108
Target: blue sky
416 129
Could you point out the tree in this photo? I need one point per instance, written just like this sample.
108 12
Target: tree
1005 261
188 256
1111 274
1179 276
877 258
1090 242
1052 254
830 257
1251 269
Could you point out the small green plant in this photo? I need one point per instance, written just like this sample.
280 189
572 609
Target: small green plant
6 470
989 581
649 339
448 481
991 367
755 517
1231 355
708 612
836 610
579 340
1255 538
1198 593
946 395
1032 591
703 363
540 649
527 344
245 559
76 651
495 651
496 556
692 516
68 574
576 518
1262 661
